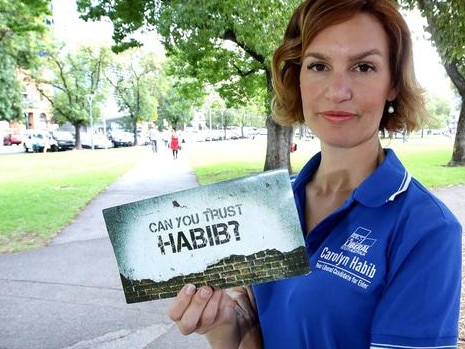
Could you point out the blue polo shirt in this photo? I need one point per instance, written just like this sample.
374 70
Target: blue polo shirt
386 271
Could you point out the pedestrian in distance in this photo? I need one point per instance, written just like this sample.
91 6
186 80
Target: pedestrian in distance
385 253
166 136
153 137
174 144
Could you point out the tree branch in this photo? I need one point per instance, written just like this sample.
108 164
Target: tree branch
230 35
457 78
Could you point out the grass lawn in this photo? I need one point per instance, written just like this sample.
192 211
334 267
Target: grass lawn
40 194
427 159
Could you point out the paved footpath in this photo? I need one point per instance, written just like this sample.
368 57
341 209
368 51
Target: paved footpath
68 295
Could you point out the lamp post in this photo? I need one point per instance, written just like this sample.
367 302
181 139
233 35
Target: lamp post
90 98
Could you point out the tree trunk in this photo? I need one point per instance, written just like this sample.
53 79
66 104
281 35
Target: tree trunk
77 135
279 138
458 155
278 146
134 130
452 68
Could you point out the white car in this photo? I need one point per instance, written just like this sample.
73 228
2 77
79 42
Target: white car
39 141
122 138
98 140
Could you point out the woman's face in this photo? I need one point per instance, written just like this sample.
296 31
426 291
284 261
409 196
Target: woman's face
345 82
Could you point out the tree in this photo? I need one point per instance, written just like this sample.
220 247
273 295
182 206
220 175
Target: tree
174 108
180 95
135 78
447 28
10 90
69 82
439 109
227 44
22 27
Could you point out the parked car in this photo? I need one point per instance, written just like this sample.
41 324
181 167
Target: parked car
98 140
38 141
65 140
122 138
11 139
142 139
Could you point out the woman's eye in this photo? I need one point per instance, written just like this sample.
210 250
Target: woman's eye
316 67
364 68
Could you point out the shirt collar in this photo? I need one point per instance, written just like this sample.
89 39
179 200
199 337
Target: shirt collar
388 181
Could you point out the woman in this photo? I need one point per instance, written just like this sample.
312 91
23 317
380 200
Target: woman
385 253
174 144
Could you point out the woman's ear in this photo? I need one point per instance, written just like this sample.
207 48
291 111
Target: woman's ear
392 94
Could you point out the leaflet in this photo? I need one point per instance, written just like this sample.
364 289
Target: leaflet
226 234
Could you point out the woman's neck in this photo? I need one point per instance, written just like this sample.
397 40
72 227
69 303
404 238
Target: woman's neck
344 170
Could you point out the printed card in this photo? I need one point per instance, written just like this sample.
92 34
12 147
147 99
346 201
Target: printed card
226 234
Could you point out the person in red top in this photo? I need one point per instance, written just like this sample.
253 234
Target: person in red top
174 144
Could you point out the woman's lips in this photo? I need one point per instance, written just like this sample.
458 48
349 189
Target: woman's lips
337 115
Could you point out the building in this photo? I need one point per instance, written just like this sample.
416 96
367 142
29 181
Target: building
37 109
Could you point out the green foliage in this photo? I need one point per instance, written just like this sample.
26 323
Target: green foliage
446 25
74 76
22 28
22 16
174 108
10 90
227 44
127 17
137 81
22 24
439 110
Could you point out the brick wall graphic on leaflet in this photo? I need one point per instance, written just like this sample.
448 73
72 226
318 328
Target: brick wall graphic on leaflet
225 234
232 271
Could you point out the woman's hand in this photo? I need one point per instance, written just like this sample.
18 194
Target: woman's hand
226 317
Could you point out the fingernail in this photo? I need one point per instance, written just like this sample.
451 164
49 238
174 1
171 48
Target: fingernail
205 293
190 289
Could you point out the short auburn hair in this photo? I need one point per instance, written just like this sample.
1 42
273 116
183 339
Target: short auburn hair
313 16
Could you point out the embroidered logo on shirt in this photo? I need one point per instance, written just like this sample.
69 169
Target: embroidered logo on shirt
359 242
353 268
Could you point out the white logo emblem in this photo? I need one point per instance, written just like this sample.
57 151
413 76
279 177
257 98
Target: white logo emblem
359 242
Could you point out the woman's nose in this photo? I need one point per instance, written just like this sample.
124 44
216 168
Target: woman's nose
338 88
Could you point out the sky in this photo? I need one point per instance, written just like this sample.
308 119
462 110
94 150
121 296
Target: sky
428 68
75 31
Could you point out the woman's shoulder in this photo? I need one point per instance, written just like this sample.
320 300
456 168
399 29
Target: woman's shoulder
424 209
425 198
